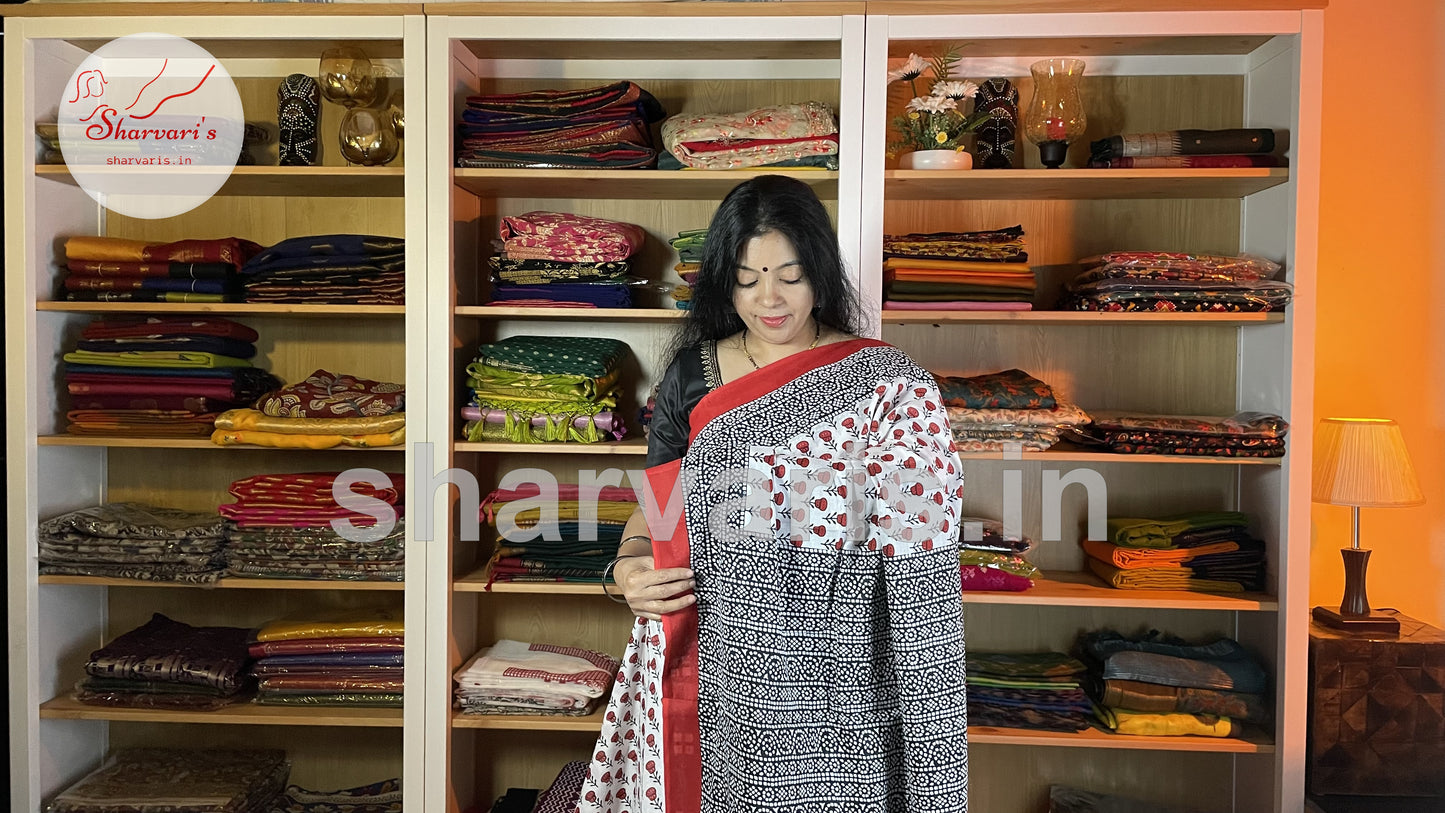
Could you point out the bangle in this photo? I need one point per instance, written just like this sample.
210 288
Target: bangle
607 571
643 537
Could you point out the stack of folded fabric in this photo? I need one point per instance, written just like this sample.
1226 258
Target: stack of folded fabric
128 541
606 127
341 658
988 412
47 133
785 135
989 559
280 528
111 269
377 797
329 269
512 677
323 411
1064 799
966 271
1204 551
168 664
1035 690
572 540
1245 434
1195 149
561 796
544 389
576 261
160 377
1162 686
179 780
1169 281
689 247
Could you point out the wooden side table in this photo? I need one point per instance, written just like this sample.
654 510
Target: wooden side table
1377 711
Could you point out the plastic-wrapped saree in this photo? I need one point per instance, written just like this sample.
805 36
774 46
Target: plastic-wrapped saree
821 667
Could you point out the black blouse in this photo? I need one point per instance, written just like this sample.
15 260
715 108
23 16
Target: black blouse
692 374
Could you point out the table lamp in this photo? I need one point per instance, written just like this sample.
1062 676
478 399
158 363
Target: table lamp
1362 463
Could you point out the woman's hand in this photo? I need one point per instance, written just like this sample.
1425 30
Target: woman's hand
651 593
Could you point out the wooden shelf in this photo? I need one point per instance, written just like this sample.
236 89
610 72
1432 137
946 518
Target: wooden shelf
1254 741
1078 184
1068 453
902 317
221 308
517 722
476 582
187 443
68 708
634 445
630 184
1057 589
228 583
572 314
1065 589
316 182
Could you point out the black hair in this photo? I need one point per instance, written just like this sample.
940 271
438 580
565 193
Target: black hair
768 203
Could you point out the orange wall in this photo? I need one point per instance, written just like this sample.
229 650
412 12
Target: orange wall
1380 346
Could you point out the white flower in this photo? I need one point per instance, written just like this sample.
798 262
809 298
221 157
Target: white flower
911 69
955 90
932 104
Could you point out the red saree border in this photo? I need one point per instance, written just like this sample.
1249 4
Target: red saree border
758 383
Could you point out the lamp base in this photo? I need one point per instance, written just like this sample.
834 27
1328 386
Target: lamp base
1378 623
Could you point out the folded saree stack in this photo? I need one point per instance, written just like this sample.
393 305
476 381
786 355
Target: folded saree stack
556 259
112 269
337 658
329 269
280 527
512 677
171 665
783 135
179 780
546 389
564 536
377 797
1245 434
1157 685
965 271
989 559
604 127
1033 690
160 376
1172 281
132 541
325 410
1203 551
1179 149
689 247
987 413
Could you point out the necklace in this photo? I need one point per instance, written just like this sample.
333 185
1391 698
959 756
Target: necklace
817 334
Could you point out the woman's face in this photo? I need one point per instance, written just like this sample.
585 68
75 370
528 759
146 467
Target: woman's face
772 294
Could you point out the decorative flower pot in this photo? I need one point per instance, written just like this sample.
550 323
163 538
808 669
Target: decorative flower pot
936 159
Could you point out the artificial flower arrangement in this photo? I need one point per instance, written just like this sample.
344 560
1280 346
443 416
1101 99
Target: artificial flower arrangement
935 121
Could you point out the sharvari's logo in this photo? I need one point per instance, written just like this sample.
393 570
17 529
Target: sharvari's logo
151 125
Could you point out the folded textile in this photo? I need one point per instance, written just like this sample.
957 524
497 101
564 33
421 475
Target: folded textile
75 282
289 440
1131 532
1024 664
377 797
1176 724
545 668
325 250
151 423
256 420
751 138
178 780
1178 577
601 295
569 237
163 649
220 346
1137 695
230 250
325 394
1009 389
145 296
1186 161
102 268
154 358
555 355
1222 665
1128 558
1063 799
998 245
561 796
344 623
134 520
951 305
531 272
311 646
153 326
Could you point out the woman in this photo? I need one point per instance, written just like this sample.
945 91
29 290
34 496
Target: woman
799 644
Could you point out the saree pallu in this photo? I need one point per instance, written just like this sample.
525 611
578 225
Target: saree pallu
821 667
325 394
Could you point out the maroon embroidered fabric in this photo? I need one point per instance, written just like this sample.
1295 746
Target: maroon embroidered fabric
325 394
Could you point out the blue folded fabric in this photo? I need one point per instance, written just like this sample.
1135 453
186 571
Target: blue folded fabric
603 295
1234 675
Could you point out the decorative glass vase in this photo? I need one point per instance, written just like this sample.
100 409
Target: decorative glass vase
1055 116
367 137
936 159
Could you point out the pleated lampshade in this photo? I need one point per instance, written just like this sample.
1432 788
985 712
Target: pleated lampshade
1363 461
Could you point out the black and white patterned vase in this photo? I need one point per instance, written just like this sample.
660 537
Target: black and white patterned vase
298 114
995 145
